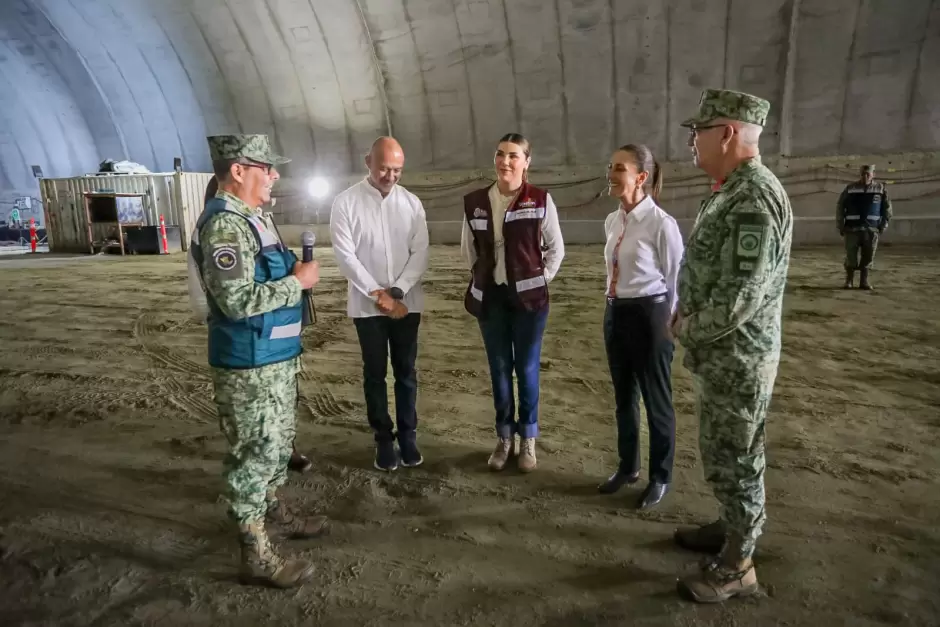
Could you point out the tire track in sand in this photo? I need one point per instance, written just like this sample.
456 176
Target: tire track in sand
323 404
196 406
143 332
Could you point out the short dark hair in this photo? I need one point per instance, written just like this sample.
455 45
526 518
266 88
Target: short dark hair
223 168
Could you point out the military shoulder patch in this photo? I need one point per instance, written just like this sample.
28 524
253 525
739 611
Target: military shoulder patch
226 260
749 240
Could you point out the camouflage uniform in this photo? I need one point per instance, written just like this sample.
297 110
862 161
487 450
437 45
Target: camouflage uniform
257 416
256 405
862 238
731 283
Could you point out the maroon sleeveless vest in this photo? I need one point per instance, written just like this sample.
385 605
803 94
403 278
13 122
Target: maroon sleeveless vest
522 234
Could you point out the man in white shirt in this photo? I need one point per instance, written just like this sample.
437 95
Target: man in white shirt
380 238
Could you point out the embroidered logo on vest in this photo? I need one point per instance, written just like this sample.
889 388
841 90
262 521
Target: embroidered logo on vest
479 213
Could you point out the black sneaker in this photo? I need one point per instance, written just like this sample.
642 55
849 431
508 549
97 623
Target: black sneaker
410 455
386 457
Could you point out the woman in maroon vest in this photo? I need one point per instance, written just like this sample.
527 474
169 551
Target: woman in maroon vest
643 252
513 245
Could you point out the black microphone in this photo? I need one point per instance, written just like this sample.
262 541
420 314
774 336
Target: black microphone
308 239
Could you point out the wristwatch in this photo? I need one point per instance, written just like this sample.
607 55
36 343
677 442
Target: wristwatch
396 293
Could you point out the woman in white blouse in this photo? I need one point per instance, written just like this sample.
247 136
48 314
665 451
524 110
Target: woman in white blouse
643 251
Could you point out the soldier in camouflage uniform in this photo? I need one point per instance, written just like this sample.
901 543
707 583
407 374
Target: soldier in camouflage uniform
253 286
731 284
298 461
862 214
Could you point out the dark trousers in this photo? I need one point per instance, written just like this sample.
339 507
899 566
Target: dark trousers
513 341
379 335
639 354
864 242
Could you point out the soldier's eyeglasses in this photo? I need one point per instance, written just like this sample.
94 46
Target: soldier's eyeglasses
694 131
261 166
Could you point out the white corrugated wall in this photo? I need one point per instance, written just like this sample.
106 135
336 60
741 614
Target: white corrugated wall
192 192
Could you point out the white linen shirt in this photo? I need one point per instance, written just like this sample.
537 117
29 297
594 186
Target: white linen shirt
649 254
551 237
379 243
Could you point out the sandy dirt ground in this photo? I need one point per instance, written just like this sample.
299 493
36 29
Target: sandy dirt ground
110 459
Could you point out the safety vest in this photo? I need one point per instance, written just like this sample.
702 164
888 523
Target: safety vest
863 208
262 339
522 236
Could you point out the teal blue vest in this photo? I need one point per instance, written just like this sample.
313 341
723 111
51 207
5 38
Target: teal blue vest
261 339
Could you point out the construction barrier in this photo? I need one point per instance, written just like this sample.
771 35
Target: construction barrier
166 249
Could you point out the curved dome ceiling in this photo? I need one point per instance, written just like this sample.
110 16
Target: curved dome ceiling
85 80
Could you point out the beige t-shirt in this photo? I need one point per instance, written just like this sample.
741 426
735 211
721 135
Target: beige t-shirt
499 205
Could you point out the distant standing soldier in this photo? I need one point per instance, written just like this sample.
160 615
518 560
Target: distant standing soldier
253 287
862 213
730 285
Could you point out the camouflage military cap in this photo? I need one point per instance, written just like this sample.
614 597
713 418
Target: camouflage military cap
868 168
731 105
254 147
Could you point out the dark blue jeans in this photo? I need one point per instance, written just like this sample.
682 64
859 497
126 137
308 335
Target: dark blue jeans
513 341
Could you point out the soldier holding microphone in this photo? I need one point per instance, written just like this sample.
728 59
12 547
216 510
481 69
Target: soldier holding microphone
298 461
253 287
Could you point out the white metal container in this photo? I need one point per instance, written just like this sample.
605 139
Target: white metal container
177 196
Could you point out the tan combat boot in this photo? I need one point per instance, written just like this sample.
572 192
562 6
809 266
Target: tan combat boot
285 523
262 566
723 577
527 462
505 449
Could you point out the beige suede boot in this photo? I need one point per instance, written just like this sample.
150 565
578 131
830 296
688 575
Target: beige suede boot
721 578
287 524
505 449
260 565
527 461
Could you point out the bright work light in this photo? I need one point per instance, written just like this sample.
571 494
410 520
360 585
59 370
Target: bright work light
318 187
